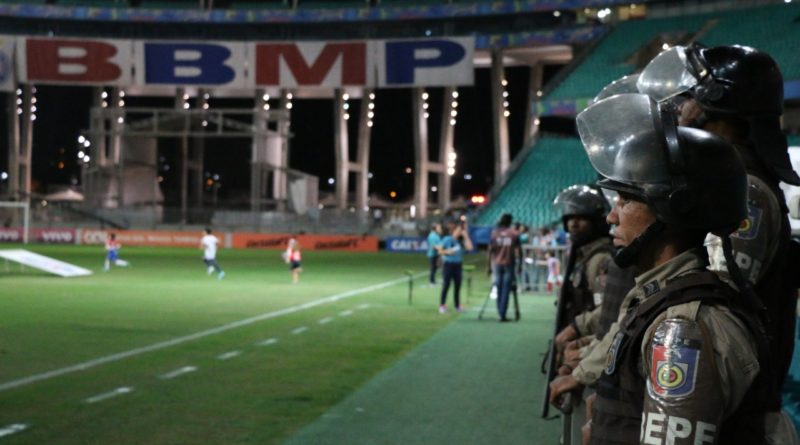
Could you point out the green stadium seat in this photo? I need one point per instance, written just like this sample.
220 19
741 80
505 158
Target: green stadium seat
773 29
553 164
23 2
259 5
175 4
95 3
313 4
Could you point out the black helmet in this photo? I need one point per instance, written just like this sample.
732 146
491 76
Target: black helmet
581 200
690 178
729 80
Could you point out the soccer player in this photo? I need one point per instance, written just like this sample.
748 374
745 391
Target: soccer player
209 245
112 253
293 257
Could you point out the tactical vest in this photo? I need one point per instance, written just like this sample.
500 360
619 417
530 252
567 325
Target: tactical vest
617 416
619 282
576 291
778 293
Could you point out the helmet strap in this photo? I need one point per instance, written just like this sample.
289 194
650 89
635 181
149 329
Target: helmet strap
628 255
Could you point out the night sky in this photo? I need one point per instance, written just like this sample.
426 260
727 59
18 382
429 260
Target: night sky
62 112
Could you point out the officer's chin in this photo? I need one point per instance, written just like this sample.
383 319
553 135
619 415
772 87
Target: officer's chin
619 243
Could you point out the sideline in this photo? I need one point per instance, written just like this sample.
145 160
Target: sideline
197 335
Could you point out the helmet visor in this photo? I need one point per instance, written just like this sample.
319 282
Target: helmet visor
623 85
624 139
666 75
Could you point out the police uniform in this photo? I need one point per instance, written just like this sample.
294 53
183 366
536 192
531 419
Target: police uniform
586 283
691 381
684 363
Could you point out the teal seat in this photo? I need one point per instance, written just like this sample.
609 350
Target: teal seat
553 164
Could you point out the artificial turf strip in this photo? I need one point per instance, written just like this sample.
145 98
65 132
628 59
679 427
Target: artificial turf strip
474 382
261 396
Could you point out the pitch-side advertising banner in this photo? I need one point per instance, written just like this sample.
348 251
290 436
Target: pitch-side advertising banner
145 238
352 243
46 236
321 64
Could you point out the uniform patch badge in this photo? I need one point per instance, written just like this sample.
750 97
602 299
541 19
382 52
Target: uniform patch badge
651 288
673 371
748 229
613 351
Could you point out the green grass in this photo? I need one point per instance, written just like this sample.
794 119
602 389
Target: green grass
261 396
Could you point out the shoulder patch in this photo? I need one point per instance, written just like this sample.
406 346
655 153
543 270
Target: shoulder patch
673 370
651 288
748 229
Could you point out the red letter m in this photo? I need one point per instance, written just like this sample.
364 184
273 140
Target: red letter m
268 66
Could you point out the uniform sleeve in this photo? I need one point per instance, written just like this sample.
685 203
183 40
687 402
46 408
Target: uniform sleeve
595 359
693 379
588 322
596 271
756 241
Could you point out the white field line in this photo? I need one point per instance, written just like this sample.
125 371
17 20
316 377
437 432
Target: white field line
299 330
267 342
12 429
107 395
325 320
363 306
229 355
345 313
197 335
178 372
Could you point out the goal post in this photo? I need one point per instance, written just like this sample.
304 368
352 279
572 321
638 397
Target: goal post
16 215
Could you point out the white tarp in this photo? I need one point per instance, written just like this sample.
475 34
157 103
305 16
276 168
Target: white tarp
41 262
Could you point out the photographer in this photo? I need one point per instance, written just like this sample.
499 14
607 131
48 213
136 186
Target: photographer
452 249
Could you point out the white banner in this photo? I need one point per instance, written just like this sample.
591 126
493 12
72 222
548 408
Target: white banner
41 262
7 82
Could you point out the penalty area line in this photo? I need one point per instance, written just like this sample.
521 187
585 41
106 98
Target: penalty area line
197 335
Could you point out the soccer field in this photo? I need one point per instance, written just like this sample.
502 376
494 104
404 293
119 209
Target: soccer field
161 353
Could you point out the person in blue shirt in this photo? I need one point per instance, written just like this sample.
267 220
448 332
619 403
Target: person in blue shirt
434 241
452 250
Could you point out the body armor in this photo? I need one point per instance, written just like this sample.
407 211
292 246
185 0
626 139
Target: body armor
621 389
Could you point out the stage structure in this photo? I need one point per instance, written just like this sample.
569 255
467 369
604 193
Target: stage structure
121 145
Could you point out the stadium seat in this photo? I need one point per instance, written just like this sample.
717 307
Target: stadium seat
553 164
95 3
176 4
311 4
258 5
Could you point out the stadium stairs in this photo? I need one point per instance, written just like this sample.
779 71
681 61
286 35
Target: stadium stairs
546 168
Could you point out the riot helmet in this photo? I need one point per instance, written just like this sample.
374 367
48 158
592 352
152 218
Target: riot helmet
584 201
689 178
623 85
728 80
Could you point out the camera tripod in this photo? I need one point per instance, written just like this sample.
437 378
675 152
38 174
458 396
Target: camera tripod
512 294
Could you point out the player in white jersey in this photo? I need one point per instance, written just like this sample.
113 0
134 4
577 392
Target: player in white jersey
209 246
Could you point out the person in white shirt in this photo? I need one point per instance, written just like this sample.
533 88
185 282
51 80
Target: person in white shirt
209 246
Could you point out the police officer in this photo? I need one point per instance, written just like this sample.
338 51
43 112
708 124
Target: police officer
736 92
684 364
583 211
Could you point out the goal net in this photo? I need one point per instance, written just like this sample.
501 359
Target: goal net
14 222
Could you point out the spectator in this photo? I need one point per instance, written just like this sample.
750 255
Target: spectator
434 241
452 250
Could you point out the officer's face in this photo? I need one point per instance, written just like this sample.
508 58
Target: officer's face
631 218
689 113
579 228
